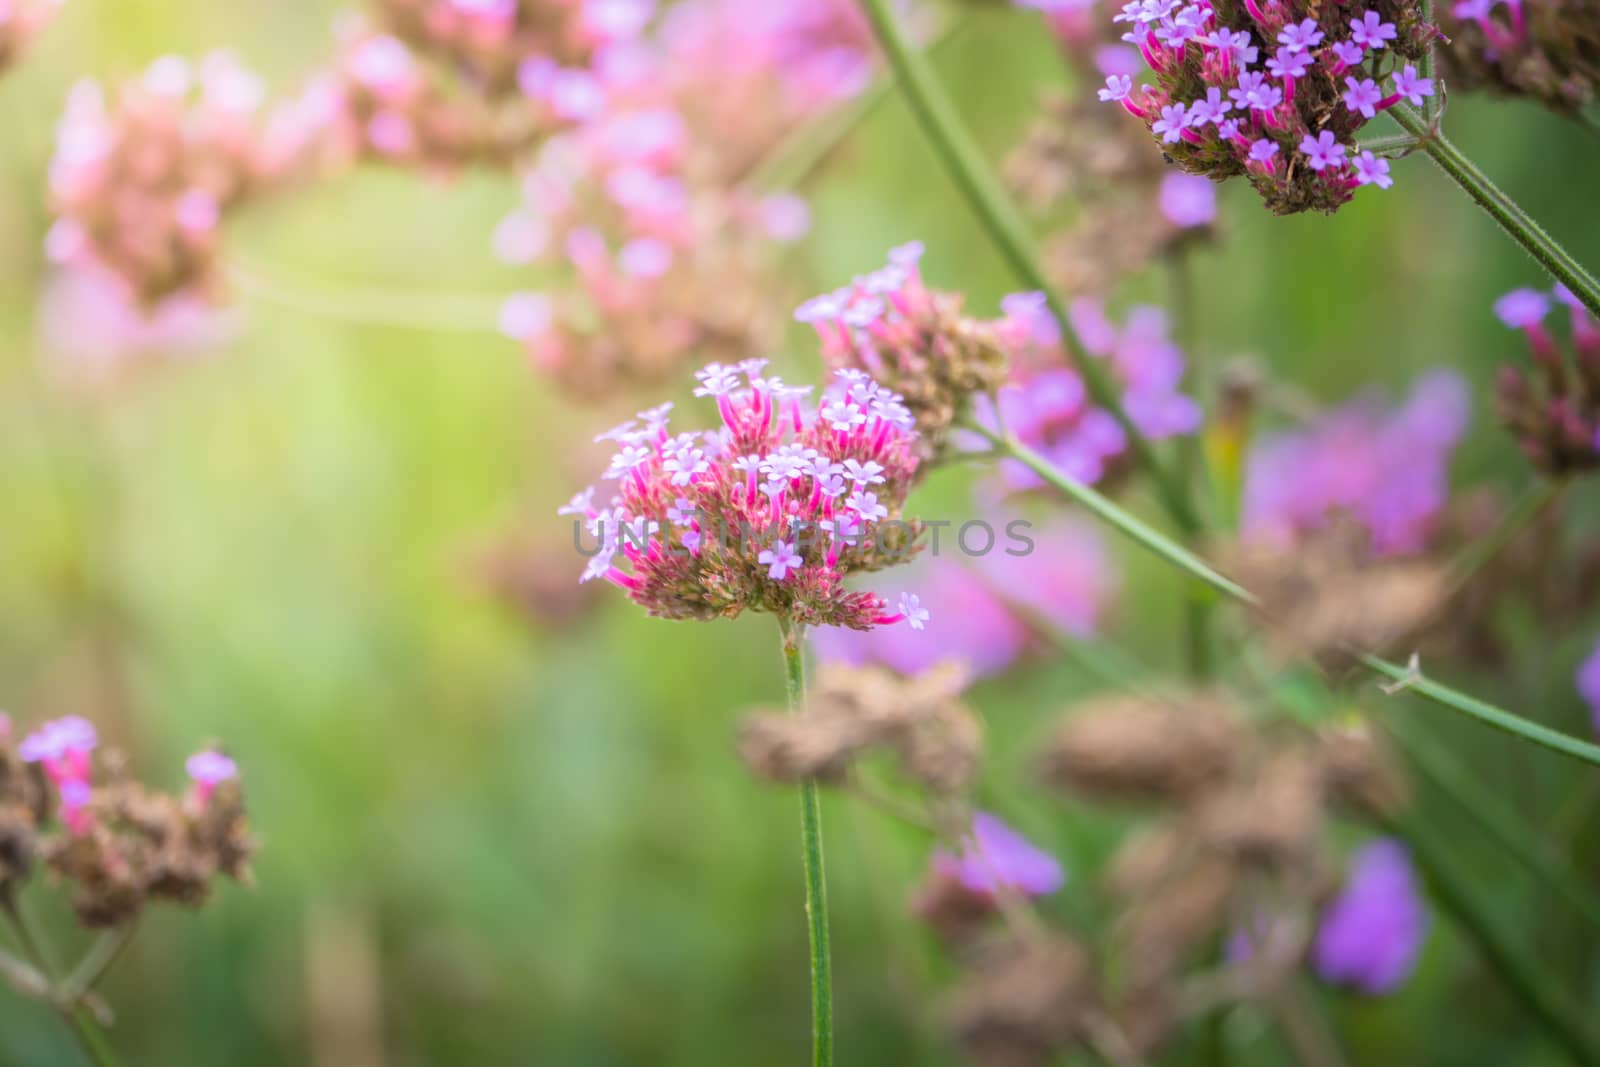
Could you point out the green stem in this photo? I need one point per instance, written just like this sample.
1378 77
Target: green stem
1482 550
1174 553
1549 1003
1447 775
1430 104
1515 221
966 165
77 1018
816 880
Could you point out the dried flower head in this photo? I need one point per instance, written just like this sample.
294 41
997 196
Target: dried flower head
851 711
119 844
1134 747
913 339
771 511
1546 49
1328 597
1023 1001
1553 409
1275 91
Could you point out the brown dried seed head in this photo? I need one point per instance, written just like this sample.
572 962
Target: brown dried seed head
1022 1003
1360 771
1164 927
1149 858
1135 747
1271 816
791 748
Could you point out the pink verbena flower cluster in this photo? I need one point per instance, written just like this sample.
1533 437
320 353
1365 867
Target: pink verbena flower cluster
63 748
142 184
1274 90
1386 468
1554 410
20 22
914 339
991 608
648 199
1047 405
771 511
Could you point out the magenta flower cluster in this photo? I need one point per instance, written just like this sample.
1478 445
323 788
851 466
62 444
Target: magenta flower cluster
991 607
1047 406
1274 90
1387 468
771 511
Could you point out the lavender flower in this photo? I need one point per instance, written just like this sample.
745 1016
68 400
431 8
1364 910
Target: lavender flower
995 857
1373 931
1588 683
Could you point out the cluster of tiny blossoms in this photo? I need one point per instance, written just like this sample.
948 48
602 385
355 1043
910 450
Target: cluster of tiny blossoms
770 512
1274 90
647 198
142 185
1555 410
1047 406
119 844
913 339
20 22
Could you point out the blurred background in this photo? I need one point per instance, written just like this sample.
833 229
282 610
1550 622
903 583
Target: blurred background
488 841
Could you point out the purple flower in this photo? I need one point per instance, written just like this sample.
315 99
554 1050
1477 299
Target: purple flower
1323 152
1411 86
1171 124
995 857
1371 170
1362 96
1263 150
1255 93
1301 37
1209 109
1521 309
916 615
1588 682
1348 52
1236 44
58 740
1288 63
1188 199
1372 933
211 768
1370 31
779 560
1118 86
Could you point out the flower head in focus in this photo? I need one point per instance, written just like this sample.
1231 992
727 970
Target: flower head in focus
1276 92
771 511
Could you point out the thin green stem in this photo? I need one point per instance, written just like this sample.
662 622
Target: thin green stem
1562 1017
816 879
978 183
1430 104
1412 681
1481 551
1447 775
77 1018
1146 535
1511 217
1409 678
1198 610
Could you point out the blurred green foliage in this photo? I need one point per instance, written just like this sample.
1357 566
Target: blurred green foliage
509 846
